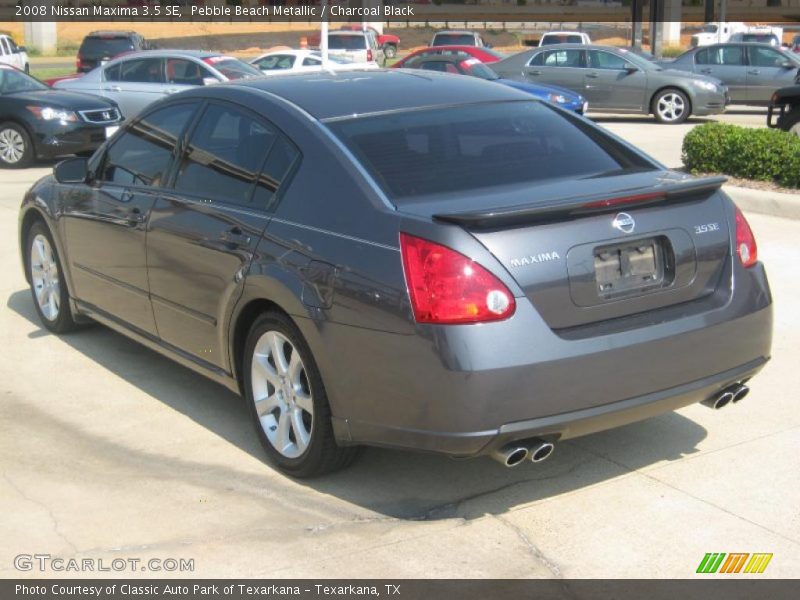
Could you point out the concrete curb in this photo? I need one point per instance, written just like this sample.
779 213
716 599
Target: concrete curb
776 204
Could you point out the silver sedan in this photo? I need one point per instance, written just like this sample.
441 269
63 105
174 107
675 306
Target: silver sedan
136 79
617 80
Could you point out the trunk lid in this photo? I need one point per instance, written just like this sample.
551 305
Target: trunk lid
616 246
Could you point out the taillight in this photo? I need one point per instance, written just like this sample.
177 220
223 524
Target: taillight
745 241
447 287
369 55
78 64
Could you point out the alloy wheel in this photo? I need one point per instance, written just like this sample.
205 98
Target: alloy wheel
671 107
45 277
282 394
12 146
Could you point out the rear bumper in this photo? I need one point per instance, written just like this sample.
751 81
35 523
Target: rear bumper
466 390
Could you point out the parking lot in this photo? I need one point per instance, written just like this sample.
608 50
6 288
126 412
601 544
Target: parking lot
109 450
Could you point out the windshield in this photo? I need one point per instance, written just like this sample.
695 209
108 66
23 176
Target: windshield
455 149
478 69
233 68
347 42
762 38
453 39
12 81
561 39
96 47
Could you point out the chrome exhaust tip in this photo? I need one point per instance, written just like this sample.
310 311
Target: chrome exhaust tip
740 393
541 451
721 400
511 455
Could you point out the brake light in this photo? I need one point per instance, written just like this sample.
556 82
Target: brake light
624 200
447 287
746 246
369 55
78 64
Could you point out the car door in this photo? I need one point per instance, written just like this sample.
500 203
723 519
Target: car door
204 231
562 67
105 222
766 72
726 62
134 84
612 82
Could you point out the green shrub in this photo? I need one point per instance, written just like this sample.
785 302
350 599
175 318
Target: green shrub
760 154
672 51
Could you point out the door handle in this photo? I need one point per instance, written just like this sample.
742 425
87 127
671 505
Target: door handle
115 88
536 72
705 70
235 236
753 72
592 75
171 90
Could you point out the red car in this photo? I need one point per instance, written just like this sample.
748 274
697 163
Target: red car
483 54
387 41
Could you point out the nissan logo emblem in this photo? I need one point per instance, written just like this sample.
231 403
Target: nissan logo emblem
624 222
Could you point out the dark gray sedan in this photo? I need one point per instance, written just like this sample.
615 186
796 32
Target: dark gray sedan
406 259
752 72
617 80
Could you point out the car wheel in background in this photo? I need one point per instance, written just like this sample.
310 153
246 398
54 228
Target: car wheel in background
287 400
16 147
50 294
671 106
390 50
791 121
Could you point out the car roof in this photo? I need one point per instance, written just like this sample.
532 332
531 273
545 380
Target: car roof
459 31
345 32
169 52
111 33
563 33
327 95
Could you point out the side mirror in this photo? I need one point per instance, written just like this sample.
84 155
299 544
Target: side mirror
21 49
631 69
787 64
210 81
72 170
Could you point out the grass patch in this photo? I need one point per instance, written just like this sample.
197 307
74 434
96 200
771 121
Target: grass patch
51 72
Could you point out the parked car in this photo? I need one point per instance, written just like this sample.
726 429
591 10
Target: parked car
11 54
482 53
564 37
752 72
388 42
136 79
358 46
303 61
716 33
432 263
786 103
762 37
99 47
474 68
36 121
458 38
616 80
794 45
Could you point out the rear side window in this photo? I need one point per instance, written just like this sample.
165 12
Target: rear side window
471 147
232 68
142 154
224 156
140 70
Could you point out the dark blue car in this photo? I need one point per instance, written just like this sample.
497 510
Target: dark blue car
459 65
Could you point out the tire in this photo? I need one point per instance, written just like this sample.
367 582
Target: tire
791 121
292 412
16 147
390 50
48 288
671 106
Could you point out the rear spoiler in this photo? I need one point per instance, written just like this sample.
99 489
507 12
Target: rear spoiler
575 207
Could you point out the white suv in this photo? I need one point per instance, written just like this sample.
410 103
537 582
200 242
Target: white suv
358 46
13 55
564 37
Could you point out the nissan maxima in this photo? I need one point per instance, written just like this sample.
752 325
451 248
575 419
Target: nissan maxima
404 259
36 121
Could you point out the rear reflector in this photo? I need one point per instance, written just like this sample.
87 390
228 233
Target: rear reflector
746 246
447 287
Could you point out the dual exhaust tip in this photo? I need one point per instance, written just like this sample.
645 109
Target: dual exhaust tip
516 453
730 395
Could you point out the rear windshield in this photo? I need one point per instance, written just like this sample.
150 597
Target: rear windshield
347 42
561 39
440 151
104 47
233 68
453 39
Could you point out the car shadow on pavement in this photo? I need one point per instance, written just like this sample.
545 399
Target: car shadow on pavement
401 485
